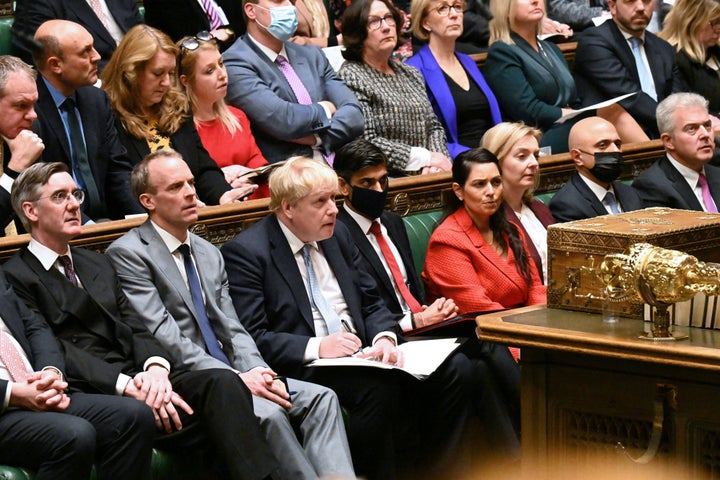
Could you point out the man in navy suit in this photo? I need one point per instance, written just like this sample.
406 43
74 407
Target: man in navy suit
107 28
605 64
67 63
592 190
311 116
683 178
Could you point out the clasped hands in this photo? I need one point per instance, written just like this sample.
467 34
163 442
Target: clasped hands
345 344
43 391
153 387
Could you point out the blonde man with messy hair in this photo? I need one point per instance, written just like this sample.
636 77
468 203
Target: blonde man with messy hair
298 178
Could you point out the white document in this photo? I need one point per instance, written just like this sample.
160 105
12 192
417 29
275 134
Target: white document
575 113
422 357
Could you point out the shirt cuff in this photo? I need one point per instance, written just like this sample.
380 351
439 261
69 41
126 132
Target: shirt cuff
6 182
56 370
406 322
8 392
328 114
121 383
312 350
419 158
387 334
156 361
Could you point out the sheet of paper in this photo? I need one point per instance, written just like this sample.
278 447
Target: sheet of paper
575 113
422 357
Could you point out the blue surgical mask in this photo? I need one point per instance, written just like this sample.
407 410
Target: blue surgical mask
283 22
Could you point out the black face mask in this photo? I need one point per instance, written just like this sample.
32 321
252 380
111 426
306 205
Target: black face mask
368 202
607 166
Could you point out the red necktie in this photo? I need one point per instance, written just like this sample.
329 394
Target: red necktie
12 359
395 269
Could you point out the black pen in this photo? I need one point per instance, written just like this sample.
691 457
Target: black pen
347 326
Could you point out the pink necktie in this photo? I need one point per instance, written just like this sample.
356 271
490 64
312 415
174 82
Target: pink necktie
707 198
212 14
97 8
301 93
11 358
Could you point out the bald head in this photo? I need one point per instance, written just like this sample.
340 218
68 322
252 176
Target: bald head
67 59
588 136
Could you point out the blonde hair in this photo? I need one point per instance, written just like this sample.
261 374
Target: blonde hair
121 76
501 23
684 22
320 27
297 179
501 138
187 60
419 10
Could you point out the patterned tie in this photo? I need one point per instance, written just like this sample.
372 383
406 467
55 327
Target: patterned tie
611 203
69 270
12 359
211 341
301 93
212 14
80 165
402 287
328 314
97 8
645 81
707 198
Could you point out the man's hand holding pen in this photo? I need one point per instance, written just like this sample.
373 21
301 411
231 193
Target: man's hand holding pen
339 344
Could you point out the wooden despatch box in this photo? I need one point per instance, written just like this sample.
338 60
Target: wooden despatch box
576 249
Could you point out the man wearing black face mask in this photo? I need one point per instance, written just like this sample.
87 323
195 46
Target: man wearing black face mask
596 149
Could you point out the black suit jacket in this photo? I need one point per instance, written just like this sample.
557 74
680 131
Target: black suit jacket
701 79
179 18
99 332
575 201
30 330
30 14
373 264
108 158
604 68
209 179
662 185
271 299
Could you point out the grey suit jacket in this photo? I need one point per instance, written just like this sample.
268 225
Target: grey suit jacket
258 88
153 284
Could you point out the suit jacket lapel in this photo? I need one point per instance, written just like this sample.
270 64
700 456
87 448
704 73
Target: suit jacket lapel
713 177
284 261
398 239
435 80
90 20
52 117
274 70
680 184
595 205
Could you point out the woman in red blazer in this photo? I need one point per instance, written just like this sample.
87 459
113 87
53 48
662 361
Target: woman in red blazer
475 256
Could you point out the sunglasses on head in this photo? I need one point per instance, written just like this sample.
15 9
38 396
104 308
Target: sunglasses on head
192 43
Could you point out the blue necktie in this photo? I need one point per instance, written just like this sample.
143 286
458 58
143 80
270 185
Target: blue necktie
611 203
211 340
645 81
331 319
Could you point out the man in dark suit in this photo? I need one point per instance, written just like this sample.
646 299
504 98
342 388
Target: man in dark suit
67 64
152 269
683 178
107 26
18 95
43 428
620 57
179 18
107 348
312 116
298 286
592 190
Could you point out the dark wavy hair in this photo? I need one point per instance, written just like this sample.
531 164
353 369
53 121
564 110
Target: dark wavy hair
501 228
355 29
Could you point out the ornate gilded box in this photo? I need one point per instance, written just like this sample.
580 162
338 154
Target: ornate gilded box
576 249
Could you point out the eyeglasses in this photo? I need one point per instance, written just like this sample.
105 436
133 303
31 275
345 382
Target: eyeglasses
192 43
444 9
374 23
715 24
60 198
